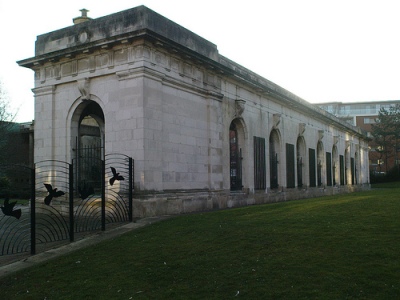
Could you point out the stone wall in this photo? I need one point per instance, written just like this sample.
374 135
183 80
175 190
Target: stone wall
190 201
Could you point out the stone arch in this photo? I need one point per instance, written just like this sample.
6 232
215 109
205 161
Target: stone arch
74 119
301 160
274 157
87 113
320 163
91 125
87 124
237 151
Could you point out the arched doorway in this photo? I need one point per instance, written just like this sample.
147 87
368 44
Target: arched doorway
91 130
356 164
335 165
320 162
347 168
274 151
235 154
301 157
88 147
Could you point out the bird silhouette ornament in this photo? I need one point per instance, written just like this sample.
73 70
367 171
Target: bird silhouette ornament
8 209
53 193
116 176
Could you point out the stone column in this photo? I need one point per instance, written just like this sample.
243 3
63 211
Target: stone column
44 123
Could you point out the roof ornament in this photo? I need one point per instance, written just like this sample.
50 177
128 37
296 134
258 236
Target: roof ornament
82 18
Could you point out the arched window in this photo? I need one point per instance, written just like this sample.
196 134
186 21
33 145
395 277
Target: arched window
320 162
274 151
235 159
347 167
301 157
335 165
356 164
88 151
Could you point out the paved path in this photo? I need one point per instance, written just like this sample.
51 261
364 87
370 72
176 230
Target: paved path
85 242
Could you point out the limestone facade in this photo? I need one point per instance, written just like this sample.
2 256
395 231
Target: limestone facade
204 132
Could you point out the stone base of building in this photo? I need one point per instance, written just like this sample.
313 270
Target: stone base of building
181 202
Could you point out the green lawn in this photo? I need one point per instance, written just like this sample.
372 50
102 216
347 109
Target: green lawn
341 247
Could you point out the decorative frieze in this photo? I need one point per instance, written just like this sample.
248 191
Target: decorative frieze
131 55
83 64
108 56
110 59
57 72
102 60
66 69
121 55
49 73
160 58
92 64
74 67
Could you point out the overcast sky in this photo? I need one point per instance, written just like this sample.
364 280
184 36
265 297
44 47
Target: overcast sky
320 50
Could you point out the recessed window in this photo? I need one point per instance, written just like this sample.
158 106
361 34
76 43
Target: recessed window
369 121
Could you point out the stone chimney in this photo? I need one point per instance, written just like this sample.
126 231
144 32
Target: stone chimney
82 18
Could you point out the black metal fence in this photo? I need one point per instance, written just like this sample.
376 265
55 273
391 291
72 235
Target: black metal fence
45 206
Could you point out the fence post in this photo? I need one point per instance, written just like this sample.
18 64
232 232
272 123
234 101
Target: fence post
33 212
103 195
130 188
71 202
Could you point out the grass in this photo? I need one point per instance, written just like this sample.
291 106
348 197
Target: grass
339 247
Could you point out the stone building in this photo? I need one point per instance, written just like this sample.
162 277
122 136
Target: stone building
204 132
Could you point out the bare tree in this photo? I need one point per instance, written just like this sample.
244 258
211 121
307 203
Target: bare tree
6 121
6 116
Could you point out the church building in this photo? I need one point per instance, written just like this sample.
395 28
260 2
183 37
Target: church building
204 132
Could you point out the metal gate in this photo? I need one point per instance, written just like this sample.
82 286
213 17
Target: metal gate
44 207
